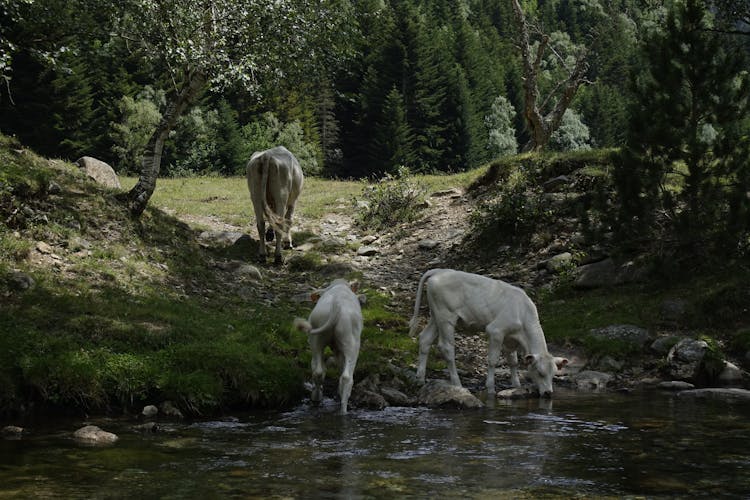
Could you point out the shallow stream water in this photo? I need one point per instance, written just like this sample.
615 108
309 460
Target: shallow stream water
575 445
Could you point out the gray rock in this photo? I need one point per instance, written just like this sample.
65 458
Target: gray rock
100 171
150 411
688 350
395 397
221 238
370 400
43 247
150 427
369 239
558 262
366 251
92 434
427 244
20 281
170 410
523 392
596 275
625 333
728 394
439 393
333 243
731 374
675 385
685 359
12 432
54 188
591 380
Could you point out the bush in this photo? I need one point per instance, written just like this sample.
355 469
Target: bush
514 215
392 200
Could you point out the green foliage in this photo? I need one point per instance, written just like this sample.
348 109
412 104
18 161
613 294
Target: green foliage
513 215
572 135
502 135
390 201
131 133
688 147
269 131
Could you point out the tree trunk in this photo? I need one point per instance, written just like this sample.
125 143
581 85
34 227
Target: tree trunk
542 126
140 194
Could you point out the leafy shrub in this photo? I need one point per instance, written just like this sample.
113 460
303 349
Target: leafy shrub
392 200
514 215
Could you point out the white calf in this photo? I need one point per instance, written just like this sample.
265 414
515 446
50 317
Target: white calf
504 311
335 321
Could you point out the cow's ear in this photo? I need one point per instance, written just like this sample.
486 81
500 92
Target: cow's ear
529 359
561 362
354 285
314 296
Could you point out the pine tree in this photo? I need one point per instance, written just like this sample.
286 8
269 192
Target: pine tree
230 147
392 138
686 136
73 108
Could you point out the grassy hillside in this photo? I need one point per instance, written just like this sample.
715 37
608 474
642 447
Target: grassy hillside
101 312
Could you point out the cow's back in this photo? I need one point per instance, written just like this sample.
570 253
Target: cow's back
476 299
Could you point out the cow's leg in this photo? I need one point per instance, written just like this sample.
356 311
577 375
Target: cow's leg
288 223
318 371
447 346
494 349
426 339
347 380
279 205
512 358
261 225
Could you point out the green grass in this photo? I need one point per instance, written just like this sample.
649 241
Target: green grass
227 198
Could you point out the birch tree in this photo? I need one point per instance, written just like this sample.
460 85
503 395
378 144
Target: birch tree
212 44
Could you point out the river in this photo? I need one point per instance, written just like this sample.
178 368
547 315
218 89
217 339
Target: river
576 445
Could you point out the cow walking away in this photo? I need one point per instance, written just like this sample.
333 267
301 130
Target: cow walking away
503 311
335 321
275 180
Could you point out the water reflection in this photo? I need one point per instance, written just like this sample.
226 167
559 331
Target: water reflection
573 445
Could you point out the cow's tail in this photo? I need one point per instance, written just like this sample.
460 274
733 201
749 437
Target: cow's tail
276 222
414 323
303 325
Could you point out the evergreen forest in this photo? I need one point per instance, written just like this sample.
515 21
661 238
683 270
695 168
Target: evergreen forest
363 89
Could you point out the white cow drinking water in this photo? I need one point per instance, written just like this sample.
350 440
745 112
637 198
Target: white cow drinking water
275 180
504 311
335 321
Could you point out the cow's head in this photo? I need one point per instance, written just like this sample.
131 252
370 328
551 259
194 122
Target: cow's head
541 369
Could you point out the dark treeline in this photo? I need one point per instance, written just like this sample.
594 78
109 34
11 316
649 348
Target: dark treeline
434 85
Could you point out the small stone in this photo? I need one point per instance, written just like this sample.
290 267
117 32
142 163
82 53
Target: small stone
366 251
44 248
92 434
12 432
427 244
149 411
675 385
170 410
